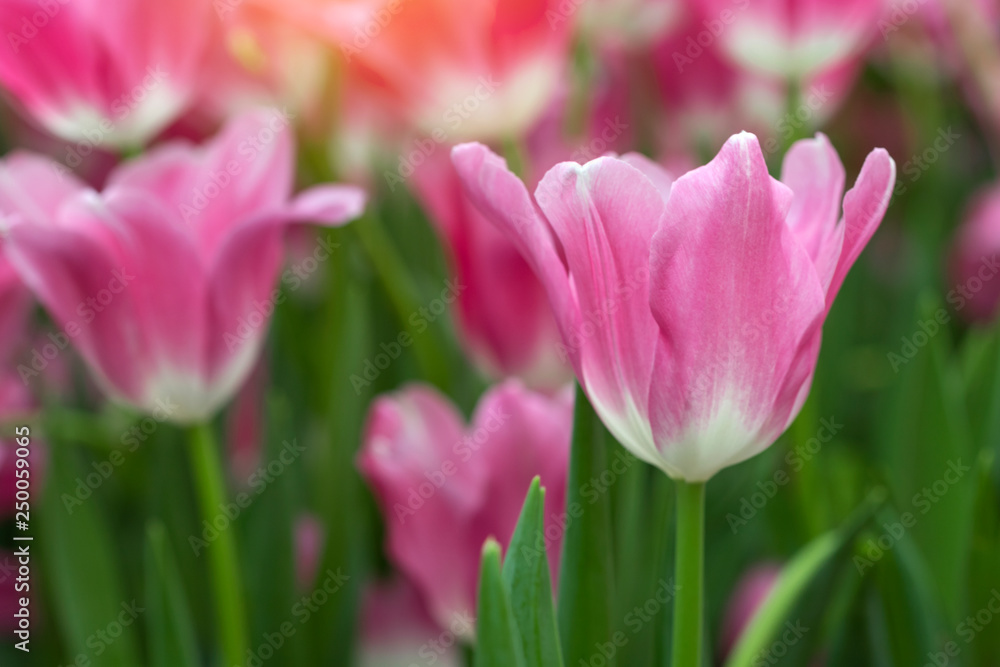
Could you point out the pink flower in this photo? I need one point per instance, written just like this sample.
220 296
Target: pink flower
451 68
692 309
790 39
309 538
397 630
108 74
445 487
503 316
974 264
750 593
164 281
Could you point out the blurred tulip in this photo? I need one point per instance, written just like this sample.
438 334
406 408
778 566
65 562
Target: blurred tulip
628 24
974 261
396 630
444 487
103 74
453 69
692 310
504 318
15 310
792 40
16 406
309 538
165 280
750 593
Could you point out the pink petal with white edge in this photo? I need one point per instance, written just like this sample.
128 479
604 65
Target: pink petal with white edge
724 354
605 214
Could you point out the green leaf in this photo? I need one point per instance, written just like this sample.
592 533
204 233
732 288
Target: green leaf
927 449
810 565
82 569
497 641
586 571
171 635
526 580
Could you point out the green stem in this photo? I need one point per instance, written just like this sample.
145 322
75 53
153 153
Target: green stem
398 285
690 574
225 572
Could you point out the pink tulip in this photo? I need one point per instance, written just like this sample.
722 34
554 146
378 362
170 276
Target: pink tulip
309 538
397 630
790 39
165 281
975 291
503 316
445 487
691 309
104 74
750 593
453 69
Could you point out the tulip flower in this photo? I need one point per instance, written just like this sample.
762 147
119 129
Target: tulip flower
397 630
974 264
692 309
503 315
794 40
453 69
103 74
165 280
445 487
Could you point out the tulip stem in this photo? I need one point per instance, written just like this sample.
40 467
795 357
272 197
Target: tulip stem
224 567
690 574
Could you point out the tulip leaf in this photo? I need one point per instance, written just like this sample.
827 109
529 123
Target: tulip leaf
171 636
928 455
815 563
82 570
497 640
586 569
527 581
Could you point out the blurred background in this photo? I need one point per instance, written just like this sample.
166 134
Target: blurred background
409 380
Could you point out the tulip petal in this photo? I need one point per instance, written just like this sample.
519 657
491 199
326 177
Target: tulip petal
813 171
724 354
864 207
605 214
504 200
